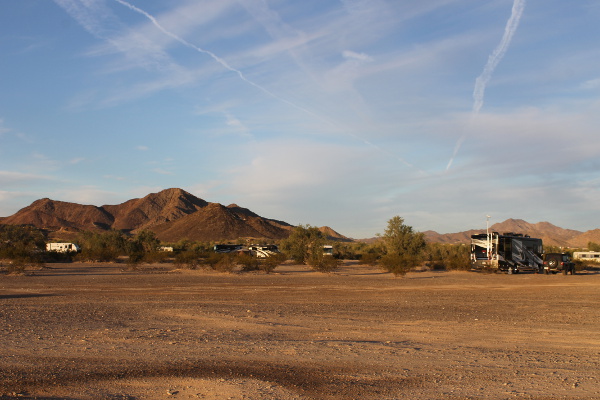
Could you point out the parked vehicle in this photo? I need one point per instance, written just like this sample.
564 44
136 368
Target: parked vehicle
587 256
509 252
62 247
263 251
555 262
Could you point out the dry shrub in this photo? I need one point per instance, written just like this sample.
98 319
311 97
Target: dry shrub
247 261
226 263
398 264
270 263
187 259
325 263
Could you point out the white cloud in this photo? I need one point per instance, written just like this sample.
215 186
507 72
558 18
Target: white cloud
86 194
161 171
356 56
591 84
19 179
3 129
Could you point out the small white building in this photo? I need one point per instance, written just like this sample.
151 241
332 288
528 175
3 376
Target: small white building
587 256
62 247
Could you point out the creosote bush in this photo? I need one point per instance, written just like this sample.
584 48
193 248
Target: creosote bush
403 247
270 263
247 261
324 263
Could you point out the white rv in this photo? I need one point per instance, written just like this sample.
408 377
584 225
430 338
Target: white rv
587 256
263 251
62 247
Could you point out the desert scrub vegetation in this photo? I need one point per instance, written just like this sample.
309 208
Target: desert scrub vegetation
102 247
21 246
402 247
305 246
448 256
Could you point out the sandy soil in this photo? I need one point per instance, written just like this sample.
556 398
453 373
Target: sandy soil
101 331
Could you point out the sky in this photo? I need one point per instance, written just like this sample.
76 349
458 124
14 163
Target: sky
340 113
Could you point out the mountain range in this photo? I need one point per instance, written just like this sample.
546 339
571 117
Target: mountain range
550 234
174 214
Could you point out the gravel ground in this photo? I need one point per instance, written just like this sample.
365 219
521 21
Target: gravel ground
102 331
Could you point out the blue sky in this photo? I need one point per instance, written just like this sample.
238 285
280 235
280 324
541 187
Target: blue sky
342 113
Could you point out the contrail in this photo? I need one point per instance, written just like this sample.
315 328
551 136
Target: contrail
493 61
218 59
243 77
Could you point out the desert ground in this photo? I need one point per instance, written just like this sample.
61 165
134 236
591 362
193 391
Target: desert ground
104 331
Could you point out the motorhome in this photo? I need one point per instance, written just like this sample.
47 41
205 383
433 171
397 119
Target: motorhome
263 251
508 252
327 250
227 248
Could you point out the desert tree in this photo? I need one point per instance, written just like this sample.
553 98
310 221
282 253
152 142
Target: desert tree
144 247
403 247
298 246
592 246
305 246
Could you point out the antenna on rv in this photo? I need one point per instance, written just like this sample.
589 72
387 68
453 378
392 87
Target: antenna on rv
487 236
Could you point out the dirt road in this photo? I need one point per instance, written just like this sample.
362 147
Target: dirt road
101 331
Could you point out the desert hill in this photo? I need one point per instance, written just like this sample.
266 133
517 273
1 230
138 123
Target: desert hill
154 209
54 215
173 214
549 233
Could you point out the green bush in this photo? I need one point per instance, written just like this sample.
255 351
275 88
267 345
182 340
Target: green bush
402 246
304 243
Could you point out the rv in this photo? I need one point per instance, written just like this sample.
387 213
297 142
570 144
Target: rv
327 250
587 256
62 247
263 251
509 252
227 248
